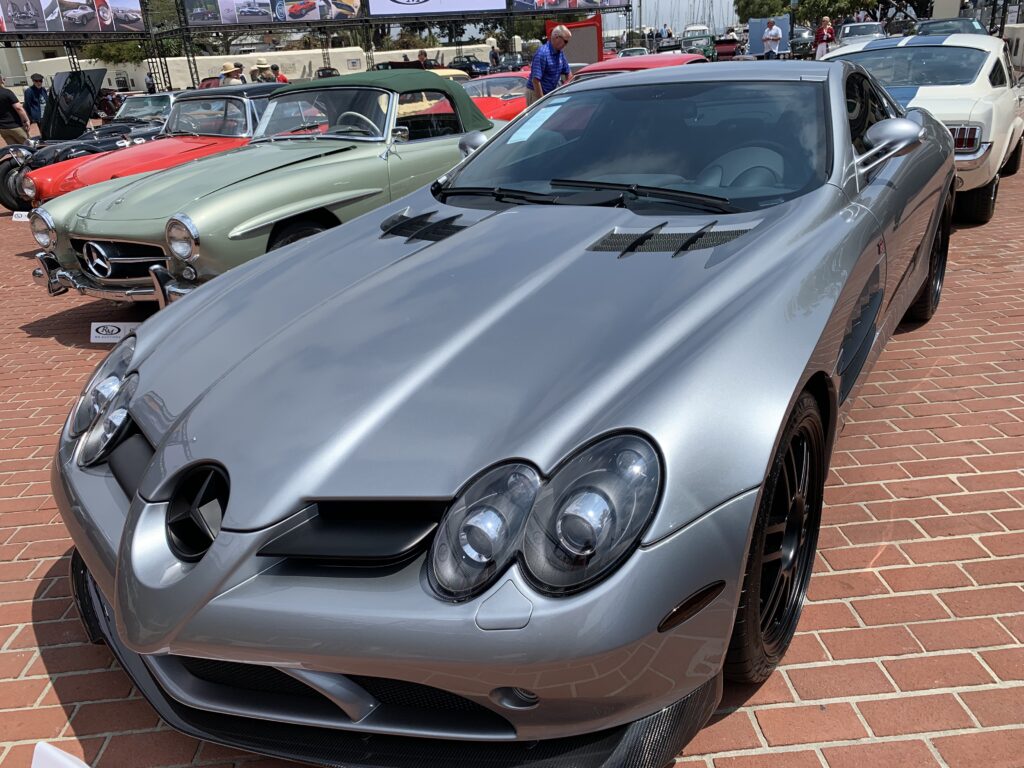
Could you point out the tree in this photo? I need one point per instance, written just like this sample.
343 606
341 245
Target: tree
811 11
760 9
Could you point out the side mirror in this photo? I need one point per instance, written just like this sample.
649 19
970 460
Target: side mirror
471 142
890 138
400 133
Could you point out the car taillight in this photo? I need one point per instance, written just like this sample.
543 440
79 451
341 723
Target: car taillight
966 138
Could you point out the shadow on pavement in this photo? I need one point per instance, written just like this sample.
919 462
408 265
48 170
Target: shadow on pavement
70 327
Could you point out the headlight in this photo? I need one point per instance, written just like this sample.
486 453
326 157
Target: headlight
43 228
480 534
28 188
591 514
103 387
182 237
109 427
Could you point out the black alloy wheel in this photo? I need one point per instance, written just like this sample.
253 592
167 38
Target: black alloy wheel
294 232
782 548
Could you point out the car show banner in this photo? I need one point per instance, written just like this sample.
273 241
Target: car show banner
208 13
533 6
49 16
384 8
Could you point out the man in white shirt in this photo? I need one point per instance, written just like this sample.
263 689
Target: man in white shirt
771 38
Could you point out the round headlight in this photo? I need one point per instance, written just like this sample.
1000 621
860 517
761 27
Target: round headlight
28 188
589 517
110 427
43 229
102 388
182 237
478 537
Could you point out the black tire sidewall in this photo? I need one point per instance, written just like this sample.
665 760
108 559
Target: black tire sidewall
8 168
293 233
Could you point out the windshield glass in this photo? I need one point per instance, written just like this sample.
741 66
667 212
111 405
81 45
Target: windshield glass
756 144
697 41
145 107
208 117
332 112
921 64
497 87
856 30
950 27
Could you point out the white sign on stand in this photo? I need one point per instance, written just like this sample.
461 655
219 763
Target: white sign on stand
20 216
110 333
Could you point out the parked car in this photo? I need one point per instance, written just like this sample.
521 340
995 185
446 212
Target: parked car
702 44
202 14
325 152
201 123
125 16
633 52
801 42
967 82
79 16
501 96
639 63
300 9
957 26
324 72
488 449
252 10
470 64
509 62
863 32
140 119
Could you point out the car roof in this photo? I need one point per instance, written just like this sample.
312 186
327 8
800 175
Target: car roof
960 40
728 71
648 61
246 90
403 81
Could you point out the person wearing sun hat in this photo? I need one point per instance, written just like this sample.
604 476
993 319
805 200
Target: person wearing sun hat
261 72
229 74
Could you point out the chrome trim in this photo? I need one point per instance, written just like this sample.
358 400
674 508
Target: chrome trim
57 280
968 162
193 232
165 288
51 226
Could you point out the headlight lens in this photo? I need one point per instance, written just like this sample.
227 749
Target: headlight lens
28 188
103 387
591 514
43 228
479 535
182 237
110 426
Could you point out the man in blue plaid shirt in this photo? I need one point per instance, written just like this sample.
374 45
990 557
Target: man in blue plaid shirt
549 64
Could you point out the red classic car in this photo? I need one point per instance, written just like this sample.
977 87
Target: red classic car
634 63
200 124
300 9
501 96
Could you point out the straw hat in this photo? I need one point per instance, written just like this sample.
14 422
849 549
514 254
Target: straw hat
262 63
227 67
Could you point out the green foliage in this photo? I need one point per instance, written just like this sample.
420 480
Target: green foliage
760 9
128 52
811 11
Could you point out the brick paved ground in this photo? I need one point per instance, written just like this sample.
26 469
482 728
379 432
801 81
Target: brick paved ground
910 654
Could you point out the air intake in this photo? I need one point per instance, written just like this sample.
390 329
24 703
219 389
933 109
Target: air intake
420 227
660 241
196 511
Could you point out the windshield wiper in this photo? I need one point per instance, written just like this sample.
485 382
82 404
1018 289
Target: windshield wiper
499 194
696 199
181 133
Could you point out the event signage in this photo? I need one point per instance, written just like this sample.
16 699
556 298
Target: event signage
50 16
382 8
533 6
210 13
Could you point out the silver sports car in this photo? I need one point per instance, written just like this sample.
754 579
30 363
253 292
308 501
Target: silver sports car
513 471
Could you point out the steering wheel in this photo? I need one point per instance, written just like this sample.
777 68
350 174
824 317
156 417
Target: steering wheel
367 122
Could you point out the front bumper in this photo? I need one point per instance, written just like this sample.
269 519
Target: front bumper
57 280
596 661
166 288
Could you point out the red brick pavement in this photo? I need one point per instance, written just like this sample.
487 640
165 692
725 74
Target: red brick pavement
910 652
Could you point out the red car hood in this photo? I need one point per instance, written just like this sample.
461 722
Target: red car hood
60 178
500 109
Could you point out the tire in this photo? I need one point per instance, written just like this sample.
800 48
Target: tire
9 198
978 205
294 232
1012 164
782 548
927 300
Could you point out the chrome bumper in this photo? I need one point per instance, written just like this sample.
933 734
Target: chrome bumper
968 162
166 288
57 280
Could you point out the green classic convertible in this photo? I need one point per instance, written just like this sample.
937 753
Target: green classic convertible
323 153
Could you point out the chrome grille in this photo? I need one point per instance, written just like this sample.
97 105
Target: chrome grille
117 261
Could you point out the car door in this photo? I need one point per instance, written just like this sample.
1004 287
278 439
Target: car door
432 148
1011 100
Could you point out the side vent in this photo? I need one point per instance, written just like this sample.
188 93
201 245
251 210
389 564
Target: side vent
420 226
661 241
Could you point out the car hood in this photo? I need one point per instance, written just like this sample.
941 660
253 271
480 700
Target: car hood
151 156
500 109
945 102
163 194
368 365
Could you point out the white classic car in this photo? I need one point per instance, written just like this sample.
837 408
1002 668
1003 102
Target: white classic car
967 82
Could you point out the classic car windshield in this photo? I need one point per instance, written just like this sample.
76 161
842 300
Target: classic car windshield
145 107
756 144
208 117
951 27
921 64
331 112
860 30
497 87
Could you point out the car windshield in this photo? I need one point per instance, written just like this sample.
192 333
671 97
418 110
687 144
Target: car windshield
751 144
208 117
697 41
497 87
327 113
921 64
858 30
950 27
144 108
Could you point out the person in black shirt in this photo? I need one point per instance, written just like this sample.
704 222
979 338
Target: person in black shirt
13 118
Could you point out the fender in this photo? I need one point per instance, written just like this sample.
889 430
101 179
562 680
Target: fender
271 217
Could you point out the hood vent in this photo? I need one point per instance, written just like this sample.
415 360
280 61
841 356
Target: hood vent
420 227
196 511
660 241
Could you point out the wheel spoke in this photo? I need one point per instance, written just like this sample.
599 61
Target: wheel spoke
775 597
805 468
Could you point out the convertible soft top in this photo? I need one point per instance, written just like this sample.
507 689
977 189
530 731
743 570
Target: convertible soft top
403 81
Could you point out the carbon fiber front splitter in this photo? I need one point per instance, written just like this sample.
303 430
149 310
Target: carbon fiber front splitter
652 742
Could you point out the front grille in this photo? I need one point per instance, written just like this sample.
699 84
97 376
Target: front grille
966 138
113 260
398 693
666 242
249 677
